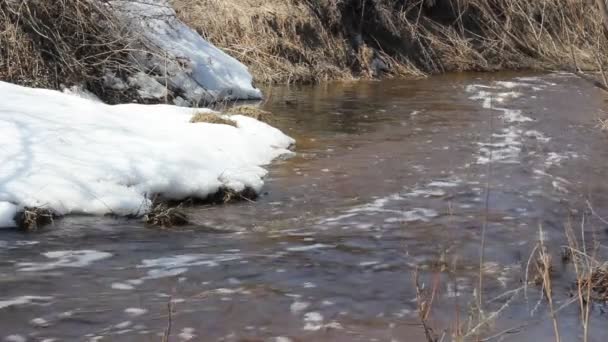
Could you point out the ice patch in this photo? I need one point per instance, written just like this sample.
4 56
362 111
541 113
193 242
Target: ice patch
188 62
63 259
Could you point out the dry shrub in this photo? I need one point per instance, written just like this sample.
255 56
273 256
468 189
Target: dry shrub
211 118
163 215
64 42
598 282
315 40
32 219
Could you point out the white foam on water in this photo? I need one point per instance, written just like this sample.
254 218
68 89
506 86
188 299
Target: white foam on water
62 259
39 322
175 265
513 115
309 247
313 321
122 286
505 149
187 334
15 338
554 158
297 307
426 193
533 134
25 300
135 312
444 184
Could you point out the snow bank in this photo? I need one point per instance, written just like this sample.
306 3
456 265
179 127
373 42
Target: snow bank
183 61
75 155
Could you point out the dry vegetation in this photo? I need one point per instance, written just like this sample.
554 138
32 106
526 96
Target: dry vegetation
61 43
211 118
315 40
33 219
50 43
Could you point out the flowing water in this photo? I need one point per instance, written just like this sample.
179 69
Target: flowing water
391 179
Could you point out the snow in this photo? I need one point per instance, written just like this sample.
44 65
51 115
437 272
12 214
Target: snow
74 155
183 60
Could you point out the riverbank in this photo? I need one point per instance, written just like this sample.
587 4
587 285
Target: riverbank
312 41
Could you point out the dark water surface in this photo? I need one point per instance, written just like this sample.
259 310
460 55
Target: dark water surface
389 177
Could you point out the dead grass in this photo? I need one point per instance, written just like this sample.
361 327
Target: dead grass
163 215
603 124
211 118
285 41
252 112
59 43
597 281
33 219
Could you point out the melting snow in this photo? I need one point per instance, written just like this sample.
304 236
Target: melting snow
74 155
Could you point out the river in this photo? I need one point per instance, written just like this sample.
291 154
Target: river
390 179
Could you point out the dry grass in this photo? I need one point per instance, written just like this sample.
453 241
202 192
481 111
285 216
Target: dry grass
211 118
33 219
65 42
163 215
252 112
603 124
314 40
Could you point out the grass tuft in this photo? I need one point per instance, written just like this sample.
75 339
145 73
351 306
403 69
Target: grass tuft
252 112
165 216
212 118
32 219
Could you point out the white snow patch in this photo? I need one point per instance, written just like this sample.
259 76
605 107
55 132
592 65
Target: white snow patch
62 259
74 155
205 72
7 213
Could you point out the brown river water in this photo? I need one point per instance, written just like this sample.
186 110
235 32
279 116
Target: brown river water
389 177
